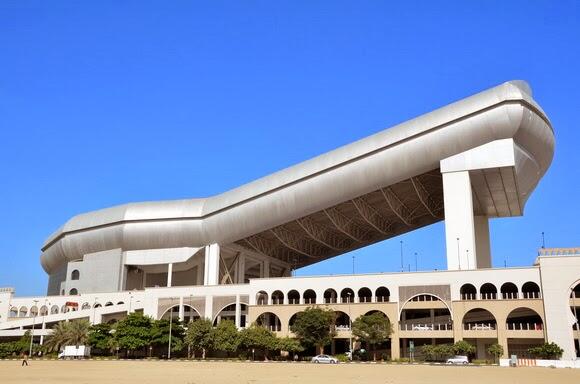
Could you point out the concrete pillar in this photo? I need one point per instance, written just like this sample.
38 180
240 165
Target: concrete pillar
238 312
212 264
169 274
199 274
266 268
241 269
459 221
395 348
181 309
209 307
482 243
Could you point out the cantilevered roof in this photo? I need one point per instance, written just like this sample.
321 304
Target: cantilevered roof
373 189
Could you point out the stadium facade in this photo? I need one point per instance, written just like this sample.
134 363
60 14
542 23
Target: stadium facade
231 256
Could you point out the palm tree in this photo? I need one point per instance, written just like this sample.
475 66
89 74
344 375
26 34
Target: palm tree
68 333
58 338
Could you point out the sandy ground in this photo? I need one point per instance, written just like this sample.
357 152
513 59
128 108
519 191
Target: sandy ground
142 372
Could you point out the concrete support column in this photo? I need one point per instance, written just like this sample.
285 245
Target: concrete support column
212 264
199 274
241 269
266 268
209 307
482 243
169 274
181 309
238 312
459 221
395 347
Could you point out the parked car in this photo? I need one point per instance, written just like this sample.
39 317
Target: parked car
325 359
481 327
458 360
420 327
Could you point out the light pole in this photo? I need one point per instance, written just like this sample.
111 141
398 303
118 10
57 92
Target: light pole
46 306
543 241
348 294
467 256
170 322
130 302
402 266
458 255
94 309
32 333
353 264
415 261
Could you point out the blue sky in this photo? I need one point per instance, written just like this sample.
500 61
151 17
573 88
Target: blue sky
108 102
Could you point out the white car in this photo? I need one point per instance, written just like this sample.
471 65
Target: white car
422 327
325 359
458 360
481 327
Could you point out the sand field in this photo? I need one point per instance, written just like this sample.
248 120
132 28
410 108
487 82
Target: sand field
183 372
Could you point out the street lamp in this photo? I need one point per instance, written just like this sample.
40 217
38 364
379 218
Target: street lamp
458 255
170 323
94 309
402 267
348 294
32 333
415 261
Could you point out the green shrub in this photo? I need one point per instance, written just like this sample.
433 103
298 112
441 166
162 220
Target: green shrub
548 351
342 358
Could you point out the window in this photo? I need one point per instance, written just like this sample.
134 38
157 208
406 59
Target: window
75 275
73 292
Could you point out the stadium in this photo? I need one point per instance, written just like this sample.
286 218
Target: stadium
232 256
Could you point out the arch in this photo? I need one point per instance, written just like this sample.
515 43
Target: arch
509 291
120 303
309 296
341 321
426 319
373 311
228 312
277 297
576 291
43 310
54 310
13 312
330 296
108 304
468 292
98 305
524 319
189 313
23 311
530 290
269 321
365 295
261 298
382 294
86 306
73 292
75 275
347 295
479 319
292 319
488 291
34 311
64 309
293 297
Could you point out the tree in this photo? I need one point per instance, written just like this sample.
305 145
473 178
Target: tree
314 327
160 334
373 329
548 351
58 338
78 332
462 347
133 332
226 337
199 336
260 338
100 336
12 348
289 345
496 350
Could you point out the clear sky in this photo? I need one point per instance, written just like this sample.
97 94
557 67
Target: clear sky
108 102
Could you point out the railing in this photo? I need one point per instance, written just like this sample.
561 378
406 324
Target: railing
509 295
342 328
469 296
329 300
365 299
488 296
426 327
293 301
277 301
262 301
346 300
524 326
531 295
479 326
382 299
310 300
424 298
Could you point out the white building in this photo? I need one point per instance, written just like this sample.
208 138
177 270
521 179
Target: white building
231 255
